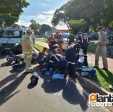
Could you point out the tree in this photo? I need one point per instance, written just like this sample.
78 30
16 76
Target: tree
94 12
78 25
10 10
12 7
36 27
45 27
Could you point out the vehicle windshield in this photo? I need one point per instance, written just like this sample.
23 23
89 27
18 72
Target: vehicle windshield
12 34
64 35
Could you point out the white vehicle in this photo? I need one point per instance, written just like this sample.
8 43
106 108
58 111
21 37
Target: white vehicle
10 39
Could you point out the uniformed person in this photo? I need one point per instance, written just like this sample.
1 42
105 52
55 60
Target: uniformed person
71 38
71 53
27 48
59 40
101 49
32 37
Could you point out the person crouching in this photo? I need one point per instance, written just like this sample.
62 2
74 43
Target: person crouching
70 54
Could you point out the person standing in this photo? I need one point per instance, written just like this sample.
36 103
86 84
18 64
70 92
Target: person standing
59 40
71 39
83 41
70 54
32 37
101 49
27 48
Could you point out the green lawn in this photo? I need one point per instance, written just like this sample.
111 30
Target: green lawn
92 47
103 78
40 47
41 40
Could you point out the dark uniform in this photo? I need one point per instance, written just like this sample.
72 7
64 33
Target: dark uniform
83 41
71 39
71 58
57 62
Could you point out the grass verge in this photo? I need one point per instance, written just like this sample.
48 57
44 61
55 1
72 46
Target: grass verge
41 40
41 47
103 78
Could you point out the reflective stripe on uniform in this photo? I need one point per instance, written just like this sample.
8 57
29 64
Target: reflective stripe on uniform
71 63
55 57
50 61
26 53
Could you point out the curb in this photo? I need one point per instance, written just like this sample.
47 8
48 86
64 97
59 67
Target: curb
36 48
92 84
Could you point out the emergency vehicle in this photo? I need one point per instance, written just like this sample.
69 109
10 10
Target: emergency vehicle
10 38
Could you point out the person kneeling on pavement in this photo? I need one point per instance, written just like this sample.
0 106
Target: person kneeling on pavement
71 53
41 56
57 62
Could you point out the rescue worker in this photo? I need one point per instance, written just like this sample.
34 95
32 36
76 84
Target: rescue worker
79 39
101 49
83 41
57 61
59 40
27 48
52 42
32 37
70 54
71 38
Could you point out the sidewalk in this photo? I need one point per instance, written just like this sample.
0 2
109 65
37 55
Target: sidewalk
91 58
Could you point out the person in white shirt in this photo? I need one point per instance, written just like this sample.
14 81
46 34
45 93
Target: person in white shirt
32 37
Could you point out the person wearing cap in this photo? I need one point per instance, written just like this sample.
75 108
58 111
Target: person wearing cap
71 39
59 40
101 48
27 48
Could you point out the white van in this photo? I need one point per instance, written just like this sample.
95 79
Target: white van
10 38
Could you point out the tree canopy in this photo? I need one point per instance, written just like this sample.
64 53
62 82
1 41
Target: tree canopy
94 12
44 28
35 26
10 10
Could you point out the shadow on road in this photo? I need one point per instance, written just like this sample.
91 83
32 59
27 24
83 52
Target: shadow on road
73 96
31 86
2 56
53 86
9 90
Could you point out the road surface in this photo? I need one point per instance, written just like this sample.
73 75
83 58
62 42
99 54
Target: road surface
18 95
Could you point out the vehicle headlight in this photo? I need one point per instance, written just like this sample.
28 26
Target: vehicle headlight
16 44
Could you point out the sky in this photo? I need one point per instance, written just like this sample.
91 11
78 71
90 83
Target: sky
40 10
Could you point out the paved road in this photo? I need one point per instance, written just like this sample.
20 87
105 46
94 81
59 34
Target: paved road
47 96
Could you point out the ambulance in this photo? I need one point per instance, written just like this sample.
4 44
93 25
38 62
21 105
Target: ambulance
10 38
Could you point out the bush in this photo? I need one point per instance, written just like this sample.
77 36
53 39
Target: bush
92 47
